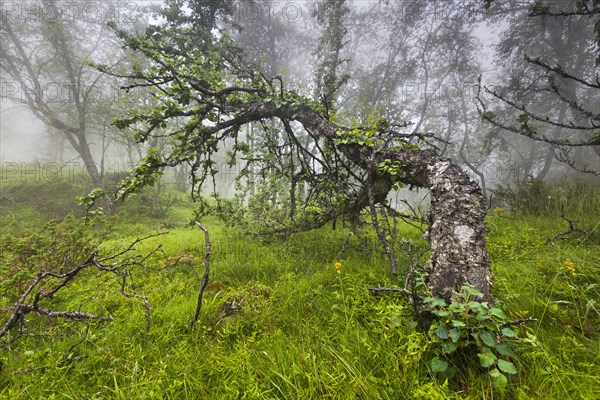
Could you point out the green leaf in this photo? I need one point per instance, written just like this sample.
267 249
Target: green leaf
498 379
488 338
487 359
496 312
509 333
438 302
454 334
507 366
505 349
472 291
458 324
442 331
475 306
449 347
438 365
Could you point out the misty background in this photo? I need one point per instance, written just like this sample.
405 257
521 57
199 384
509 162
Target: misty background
417 61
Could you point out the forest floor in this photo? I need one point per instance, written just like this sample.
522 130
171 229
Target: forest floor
279 320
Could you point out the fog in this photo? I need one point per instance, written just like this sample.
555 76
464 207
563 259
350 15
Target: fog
410 61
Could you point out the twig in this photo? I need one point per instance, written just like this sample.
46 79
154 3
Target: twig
73 315
377 291
572 229
68 359
137 296
31 369
518 322
206 273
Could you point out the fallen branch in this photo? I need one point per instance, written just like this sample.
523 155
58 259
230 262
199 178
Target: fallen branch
572 229
518 322
36 292
72 315
378 290
206 274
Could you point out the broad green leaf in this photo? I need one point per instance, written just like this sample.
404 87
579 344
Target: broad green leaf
438 302
498 379
487 359
488 338
442 331
457 307
507 366
509 333
454 334
505 349
496 312
475 306
472 291
442 313
449 347
457 323
483 316
438 365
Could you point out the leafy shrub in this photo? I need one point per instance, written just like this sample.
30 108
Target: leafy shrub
57 247
467 325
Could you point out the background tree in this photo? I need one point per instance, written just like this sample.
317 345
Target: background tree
550 52
46 55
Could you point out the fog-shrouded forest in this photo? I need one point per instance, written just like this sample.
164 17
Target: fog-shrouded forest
300 199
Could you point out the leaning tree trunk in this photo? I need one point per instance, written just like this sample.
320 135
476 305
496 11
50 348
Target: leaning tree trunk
456 218
456 232
456 215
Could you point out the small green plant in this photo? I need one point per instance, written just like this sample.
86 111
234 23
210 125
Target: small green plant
393 169
364 134
468 324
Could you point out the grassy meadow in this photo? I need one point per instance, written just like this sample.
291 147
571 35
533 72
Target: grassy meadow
279 321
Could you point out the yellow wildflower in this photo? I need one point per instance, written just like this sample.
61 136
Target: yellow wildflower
338 266
570 266
498 210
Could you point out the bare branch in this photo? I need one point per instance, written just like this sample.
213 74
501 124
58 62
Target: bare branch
206 273
572 229
557 69
378 290
518 322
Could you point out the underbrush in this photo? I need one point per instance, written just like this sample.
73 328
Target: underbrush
31 201
292 318
575 199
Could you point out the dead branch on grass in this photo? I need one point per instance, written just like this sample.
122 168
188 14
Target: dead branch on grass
119 264
572 229
206 273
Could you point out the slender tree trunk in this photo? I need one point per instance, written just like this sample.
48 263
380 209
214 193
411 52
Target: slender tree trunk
83 149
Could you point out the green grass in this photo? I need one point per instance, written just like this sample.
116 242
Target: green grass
300 330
